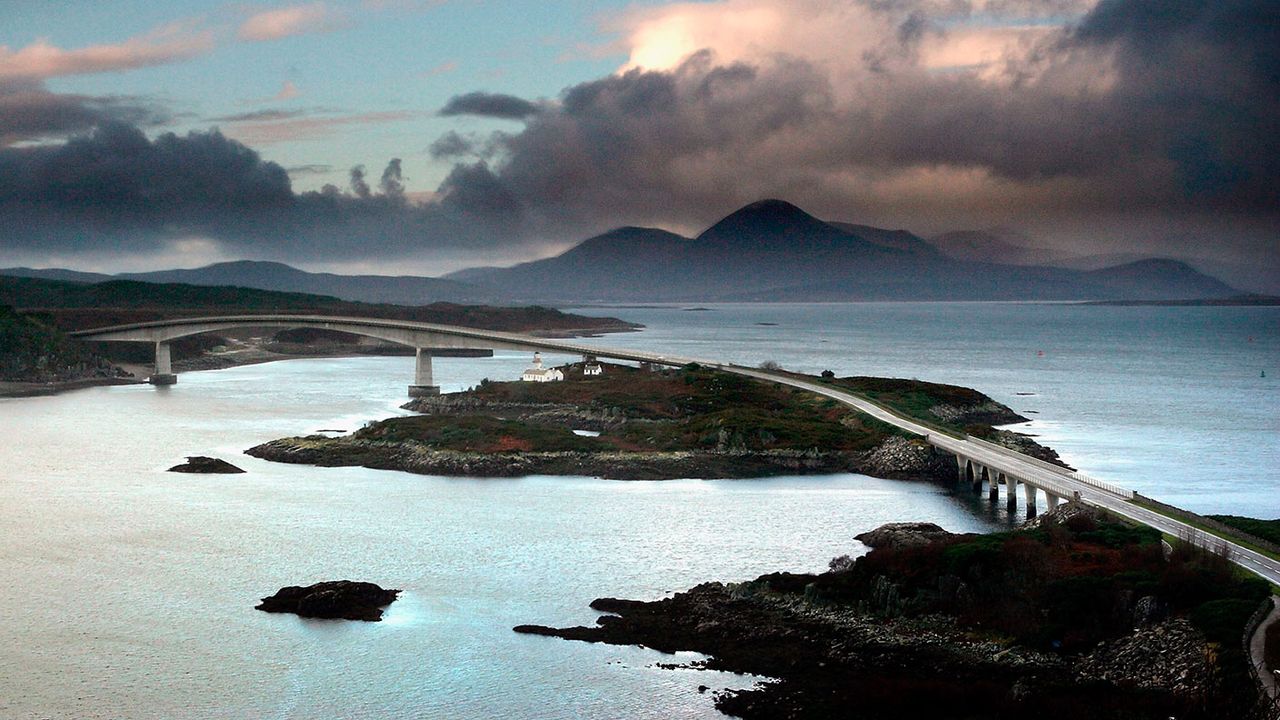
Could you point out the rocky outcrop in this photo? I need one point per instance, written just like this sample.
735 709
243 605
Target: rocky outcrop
335 599
202 464
902 535
987 413
1066 513
898 458
1166 656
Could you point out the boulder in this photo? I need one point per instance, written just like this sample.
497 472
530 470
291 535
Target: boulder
900 535
335 599
201 464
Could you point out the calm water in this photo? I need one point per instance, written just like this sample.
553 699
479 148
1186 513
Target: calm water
128 591
1168 401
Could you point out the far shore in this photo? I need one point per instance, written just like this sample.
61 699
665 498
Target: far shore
249 354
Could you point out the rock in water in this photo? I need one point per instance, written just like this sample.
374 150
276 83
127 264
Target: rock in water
201 464
335 599
900 535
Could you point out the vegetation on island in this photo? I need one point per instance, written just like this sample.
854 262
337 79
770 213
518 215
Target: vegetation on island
646 424
1082 615
33 352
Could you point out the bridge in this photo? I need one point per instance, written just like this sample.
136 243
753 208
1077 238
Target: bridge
978 462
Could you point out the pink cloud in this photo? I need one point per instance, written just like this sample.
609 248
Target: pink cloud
42 59
288 21
292 129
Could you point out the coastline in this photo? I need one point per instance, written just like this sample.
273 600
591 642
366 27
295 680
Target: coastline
253 354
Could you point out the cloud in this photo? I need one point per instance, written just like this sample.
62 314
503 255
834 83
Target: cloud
495 105
1106 128
443 68
289 21
29 111
277 126
929 115
288 91
116 192
166 44
309 169
259 116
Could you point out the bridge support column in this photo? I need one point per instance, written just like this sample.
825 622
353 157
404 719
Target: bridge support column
993 491
961 463
422 382
1011 492
1031 499
164 367
1051 501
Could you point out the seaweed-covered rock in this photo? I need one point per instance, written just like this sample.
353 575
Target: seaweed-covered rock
335 599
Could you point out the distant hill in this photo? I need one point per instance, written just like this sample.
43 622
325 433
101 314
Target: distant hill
400 290
1003 247
78 305
773 251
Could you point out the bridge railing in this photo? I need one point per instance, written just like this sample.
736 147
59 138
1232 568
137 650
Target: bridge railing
1073 474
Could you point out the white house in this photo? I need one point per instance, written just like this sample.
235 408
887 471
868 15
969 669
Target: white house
592 369
538 373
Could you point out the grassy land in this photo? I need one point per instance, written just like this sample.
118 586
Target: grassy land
915 400
1191 519
691 408
1268 530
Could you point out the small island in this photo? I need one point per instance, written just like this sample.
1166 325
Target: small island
331 600
626 423
206 465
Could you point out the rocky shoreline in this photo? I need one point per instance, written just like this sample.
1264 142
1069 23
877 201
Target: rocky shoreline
887 461
901 632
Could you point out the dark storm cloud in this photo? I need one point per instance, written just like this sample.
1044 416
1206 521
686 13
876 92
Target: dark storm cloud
117 191
29 111
1188 122
495 105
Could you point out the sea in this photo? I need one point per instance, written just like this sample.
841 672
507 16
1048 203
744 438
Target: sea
128 592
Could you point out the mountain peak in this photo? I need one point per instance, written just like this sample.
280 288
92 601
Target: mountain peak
768 218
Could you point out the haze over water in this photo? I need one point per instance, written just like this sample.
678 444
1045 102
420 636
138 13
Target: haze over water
129 591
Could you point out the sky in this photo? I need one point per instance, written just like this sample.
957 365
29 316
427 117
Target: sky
424 136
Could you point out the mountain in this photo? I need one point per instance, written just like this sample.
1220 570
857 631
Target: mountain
897 239
1000 246
400 290
773 251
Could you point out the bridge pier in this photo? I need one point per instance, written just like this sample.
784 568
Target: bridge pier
961 465
1031 499
1051 501
1011 493
422 381
163 374
993 490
